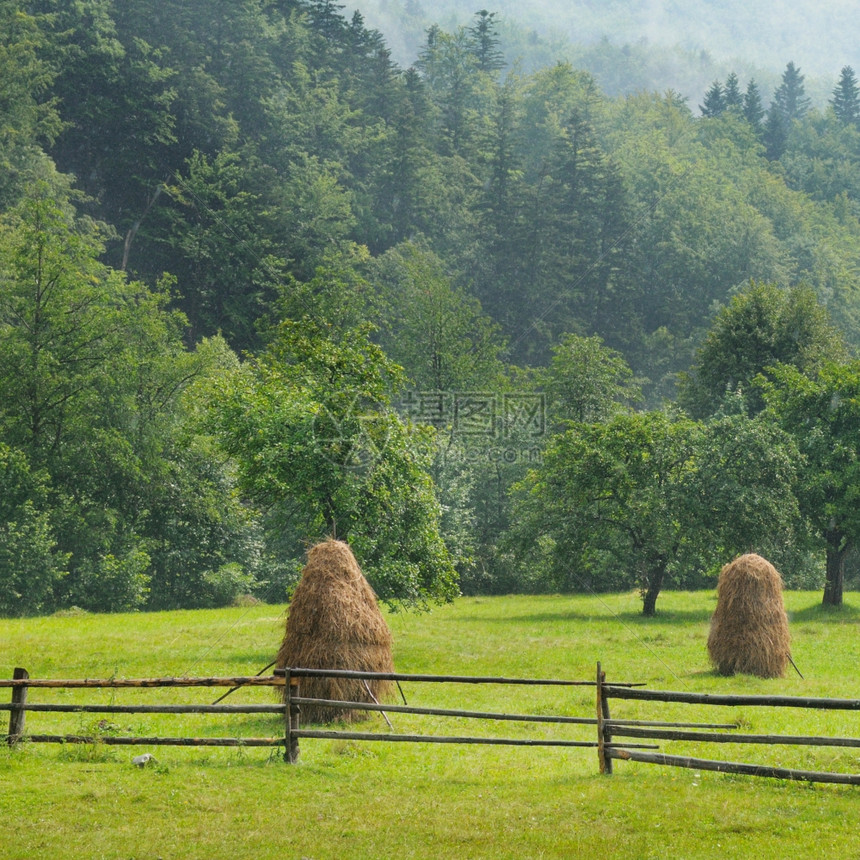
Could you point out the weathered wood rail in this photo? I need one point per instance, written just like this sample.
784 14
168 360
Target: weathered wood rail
290 710
21 683
611 729
295 700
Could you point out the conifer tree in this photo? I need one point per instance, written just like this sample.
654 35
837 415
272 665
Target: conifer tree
429 62
485 42
790 97
732 97
715 102
775 133
846 98
752 107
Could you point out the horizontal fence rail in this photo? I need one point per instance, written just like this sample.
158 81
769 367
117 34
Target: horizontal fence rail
736 767
623 691
714 738
611 741
442 739
443 712
449 679
144 683
114 740
147 709
610 729
295 701
21 683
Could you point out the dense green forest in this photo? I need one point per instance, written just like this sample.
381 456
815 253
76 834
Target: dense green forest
501 329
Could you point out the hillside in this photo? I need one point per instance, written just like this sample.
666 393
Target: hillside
261 283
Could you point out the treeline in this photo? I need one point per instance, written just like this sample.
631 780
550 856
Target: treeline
259 284
656 44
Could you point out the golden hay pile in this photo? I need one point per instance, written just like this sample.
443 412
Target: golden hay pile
749 629
334 622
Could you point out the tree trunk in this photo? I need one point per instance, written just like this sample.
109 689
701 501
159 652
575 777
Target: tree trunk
655 582
837 548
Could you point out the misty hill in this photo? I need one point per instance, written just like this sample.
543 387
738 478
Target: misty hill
669 37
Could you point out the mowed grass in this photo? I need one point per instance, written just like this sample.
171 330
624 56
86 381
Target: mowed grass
352 799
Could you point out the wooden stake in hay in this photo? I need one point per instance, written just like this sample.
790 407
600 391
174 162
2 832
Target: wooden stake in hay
334 622
749 629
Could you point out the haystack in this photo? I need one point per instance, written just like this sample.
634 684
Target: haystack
749 629
334 622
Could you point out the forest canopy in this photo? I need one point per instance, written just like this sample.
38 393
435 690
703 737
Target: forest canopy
259 283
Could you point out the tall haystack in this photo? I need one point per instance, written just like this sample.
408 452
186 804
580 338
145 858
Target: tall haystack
749 629
334 622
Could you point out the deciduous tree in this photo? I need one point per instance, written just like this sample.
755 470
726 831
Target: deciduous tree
822 412
646 497
312 430
587 381
761 326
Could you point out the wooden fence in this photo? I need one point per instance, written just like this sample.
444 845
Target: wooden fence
21 683
290 711
295 700
609 729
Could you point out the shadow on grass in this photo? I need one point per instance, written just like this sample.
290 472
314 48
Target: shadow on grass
712 674
679 616
668 616
820 612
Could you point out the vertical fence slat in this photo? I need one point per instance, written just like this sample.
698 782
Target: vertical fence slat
603 737
607 730
17 718
288 723
291 715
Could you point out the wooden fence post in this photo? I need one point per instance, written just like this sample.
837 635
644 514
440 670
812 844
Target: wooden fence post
18 718
603 735
291 716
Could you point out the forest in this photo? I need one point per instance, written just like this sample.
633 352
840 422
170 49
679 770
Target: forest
502 329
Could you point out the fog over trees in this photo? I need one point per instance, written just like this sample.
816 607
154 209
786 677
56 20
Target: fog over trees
648 43
586 320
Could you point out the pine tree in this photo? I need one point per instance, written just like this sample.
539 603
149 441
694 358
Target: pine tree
326 19
715 101
846 98
775 133
430 62
732 97
485 42
504 228
752 107
790 97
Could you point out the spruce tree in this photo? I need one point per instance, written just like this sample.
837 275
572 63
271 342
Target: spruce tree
732 97
775 133
485 42
715 102
790 97
752 107
846 98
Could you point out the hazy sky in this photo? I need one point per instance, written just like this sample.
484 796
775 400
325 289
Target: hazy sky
821 36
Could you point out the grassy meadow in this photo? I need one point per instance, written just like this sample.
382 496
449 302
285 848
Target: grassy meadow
348 799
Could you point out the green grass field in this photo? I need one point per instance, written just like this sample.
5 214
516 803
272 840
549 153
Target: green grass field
350 799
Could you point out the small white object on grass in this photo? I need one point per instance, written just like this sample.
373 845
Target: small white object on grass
143 760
